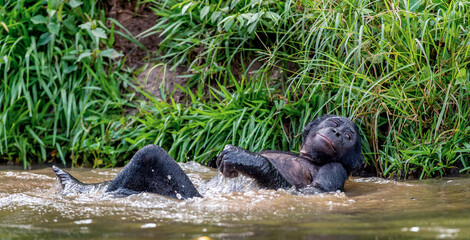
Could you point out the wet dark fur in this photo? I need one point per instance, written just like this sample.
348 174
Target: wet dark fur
322 166
151 169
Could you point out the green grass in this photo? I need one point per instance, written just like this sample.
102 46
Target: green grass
258 72
61 87
248 118
400 69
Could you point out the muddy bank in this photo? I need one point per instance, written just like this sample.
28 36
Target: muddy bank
154 76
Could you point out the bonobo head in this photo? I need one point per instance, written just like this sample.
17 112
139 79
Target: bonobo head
332 138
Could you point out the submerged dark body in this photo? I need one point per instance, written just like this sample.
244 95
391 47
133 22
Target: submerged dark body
331 150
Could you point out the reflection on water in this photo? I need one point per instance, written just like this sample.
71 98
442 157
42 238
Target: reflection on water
370 208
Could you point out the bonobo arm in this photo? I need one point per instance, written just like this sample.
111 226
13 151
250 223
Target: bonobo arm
329 178
233 160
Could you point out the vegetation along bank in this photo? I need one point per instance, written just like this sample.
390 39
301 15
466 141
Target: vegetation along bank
82 85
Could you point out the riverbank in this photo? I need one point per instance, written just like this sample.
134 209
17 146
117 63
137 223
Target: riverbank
84 85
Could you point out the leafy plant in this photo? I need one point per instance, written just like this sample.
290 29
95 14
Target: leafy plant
399 68
61 83
259 71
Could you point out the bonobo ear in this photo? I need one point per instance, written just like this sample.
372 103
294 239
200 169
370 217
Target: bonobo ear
314 124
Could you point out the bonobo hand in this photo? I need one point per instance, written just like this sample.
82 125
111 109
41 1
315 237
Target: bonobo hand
234 160
226 161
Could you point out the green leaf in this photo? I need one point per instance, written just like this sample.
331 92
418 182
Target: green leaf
95 146
51 12
253 17
131 141
99 33
110 53
53 28
83 55
461 77
205 11
224 9
233 4
75 3
414 5
53 4
273 16
185 8
366 11
44 39
241 20
33 134
85 25
70 69
252 27
215 16
38 19
254 2
229 23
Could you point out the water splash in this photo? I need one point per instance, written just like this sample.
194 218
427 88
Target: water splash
220 184
31 203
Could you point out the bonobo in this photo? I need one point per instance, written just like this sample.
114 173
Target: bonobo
331 150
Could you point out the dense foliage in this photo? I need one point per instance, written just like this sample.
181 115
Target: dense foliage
258 71
61 89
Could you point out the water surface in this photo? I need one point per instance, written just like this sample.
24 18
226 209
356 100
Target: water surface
31 207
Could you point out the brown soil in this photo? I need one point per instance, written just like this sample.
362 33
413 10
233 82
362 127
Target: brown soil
150 74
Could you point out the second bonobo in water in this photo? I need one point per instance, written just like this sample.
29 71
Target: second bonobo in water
331 150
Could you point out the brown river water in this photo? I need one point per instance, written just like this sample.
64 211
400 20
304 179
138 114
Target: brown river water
371 208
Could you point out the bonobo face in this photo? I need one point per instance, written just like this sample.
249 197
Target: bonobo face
332 138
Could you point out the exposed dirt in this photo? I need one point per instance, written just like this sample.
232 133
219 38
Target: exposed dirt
137 18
